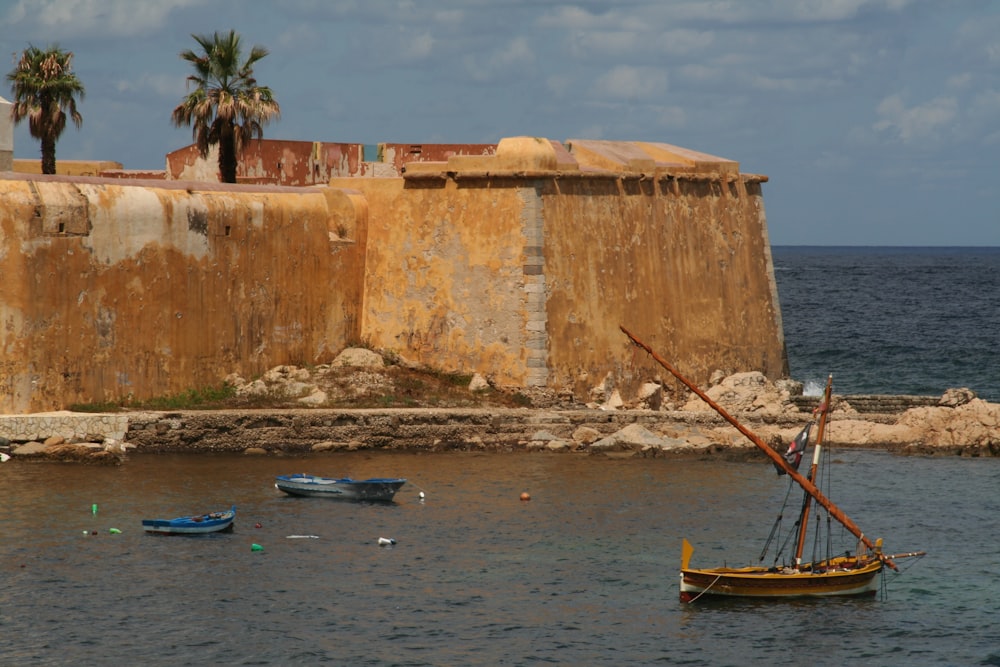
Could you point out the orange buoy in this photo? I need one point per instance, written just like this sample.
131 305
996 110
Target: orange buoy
525 496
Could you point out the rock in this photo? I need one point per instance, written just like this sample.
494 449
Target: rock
793 387
953 398
317 397
54 440
281 374
717 376
117 448
31 448
650 396
296 388
749 392
976 423
599 393
478 383
614 401
330 445
634 437
255 388
358 356
255 451
73 453
585 435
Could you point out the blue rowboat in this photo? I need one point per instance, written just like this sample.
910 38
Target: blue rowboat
214 522
376 488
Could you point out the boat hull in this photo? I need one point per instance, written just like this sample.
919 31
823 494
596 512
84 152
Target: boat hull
216 522
842 578
379 488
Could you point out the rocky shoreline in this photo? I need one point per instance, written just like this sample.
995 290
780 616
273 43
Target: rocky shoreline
957 423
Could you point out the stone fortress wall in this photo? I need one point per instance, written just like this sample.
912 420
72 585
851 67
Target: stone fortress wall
517 261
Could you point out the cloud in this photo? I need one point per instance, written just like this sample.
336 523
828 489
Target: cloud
915 123
162 85
418 46
672 117
106 17
631 83
514 55
685 41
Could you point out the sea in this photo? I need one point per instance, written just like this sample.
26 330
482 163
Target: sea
584 572
891 320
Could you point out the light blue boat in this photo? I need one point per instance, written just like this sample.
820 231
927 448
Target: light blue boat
376 488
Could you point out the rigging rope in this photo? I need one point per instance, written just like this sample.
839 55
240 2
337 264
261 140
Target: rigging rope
775 528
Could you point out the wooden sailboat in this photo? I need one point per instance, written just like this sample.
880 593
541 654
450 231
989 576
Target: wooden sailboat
844 575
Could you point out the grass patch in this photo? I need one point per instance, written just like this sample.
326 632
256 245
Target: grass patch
192 399
95 407
205 398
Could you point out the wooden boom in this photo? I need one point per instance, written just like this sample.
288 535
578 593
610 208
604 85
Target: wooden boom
778 459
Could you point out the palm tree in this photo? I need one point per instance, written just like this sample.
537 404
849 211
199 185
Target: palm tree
44 86
226 107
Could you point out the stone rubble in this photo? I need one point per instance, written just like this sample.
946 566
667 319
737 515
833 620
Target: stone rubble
647 426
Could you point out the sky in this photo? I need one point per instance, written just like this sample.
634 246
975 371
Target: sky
876 121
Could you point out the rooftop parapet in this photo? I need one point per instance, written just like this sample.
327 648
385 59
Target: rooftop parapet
526 156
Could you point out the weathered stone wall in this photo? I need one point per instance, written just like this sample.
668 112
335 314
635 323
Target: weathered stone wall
518 264
679 258
112 289
522 265
444 274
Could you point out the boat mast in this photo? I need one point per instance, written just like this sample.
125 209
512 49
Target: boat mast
824 409
778 459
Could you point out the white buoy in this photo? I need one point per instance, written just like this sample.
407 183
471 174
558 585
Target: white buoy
386 541
421 495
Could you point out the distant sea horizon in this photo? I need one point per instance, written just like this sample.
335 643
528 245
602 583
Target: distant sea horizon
891 319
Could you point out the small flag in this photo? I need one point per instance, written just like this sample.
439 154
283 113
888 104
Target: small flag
795 449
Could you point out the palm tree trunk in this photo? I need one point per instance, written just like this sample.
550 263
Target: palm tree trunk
227 154
48 155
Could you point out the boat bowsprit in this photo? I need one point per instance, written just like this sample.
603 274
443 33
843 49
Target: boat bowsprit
843 574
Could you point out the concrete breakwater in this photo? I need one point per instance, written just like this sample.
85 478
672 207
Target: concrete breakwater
627 432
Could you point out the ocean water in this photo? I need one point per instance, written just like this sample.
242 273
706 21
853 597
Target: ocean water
888 320
584 573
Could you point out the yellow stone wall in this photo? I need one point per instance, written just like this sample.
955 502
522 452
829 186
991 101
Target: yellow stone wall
112 290
66 167
522 266
688 271
444 274
519 265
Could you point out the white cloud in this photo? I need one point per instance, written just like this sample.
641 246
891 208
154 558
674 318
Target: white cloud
631 83
516 54
108 17
915 123
672 117
161 85
571 18
959 80
418 47
685 41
